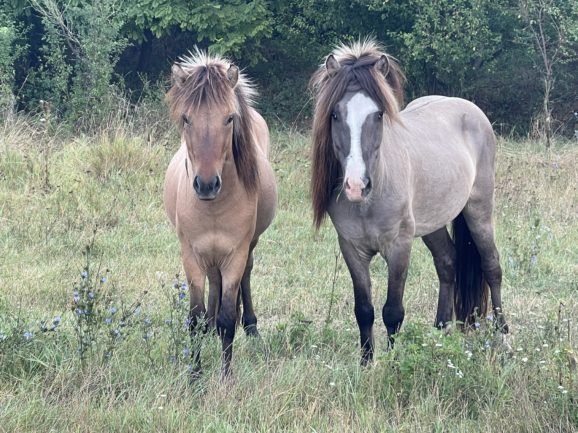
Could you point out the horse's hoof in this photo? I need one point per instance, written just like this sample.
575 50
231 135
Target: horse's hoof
365 361
501 342
390 342
251 331
195 375
501 324
448 328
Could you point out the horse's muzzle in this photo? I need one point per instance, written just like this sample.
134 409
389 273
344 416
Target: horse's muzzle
207 189
357 190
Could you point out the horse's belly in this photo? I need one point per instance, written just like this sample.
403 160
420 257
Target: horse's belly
267 203
441 189
433 212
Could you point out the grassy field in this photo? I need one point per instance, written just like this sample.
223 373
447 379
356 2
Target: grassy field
120 364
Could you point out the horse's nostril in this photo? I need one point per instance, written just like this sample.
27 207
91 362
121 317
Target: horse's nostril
347 184
197 184
367 182
217 182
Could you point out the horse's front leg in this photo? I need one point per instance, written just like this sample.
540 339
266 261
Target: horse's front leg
358 265
196 281
397 257
232 274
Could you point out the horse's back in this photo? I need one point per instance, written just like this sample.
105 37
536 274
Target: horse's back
456 113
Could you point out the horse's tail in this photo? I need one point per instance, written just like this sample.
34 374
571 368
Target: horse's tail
471 294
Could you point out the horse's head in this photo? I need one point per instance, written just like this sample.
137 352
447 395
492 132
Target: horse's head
357 124
358 93
209 101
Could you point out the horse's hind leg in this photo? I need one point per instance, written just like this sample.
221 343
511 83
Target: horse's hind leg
358 265
478 216
444 255
248 320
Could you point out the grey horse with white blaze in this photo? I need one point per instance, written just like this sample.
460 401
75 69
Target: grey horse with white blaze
386 176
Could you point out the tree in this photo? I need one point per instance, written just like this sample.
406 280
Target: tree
442 43
228 26
83 42
552 30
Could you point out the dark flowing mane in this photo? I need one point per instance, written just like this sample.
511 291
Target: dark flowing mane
357 71
203 81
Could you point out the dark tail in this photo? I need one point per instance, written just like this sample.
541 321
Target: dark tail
471 294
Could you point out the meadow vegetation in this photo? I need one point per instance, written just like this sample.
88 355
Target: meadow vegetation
93 303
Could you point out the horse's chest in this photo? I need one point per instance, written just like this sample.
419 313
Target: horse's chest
213 238
361 228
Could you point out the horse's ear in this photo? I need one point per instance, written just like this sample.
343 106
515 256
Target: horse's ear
179 76
233 75
382 65
332 66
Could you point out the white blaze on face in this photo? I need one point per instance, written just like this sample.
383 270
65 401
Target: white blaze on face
358 108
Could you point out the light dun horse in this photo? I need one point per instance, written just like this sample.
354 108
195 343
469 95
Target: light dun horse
220 191
385 177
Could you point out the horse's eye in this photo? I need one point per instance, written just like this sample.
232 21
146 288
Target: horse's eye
380 115
186 120
230 119
334 115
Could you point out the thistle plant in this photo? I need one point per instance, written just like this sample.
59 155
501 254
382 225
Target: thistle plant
88 297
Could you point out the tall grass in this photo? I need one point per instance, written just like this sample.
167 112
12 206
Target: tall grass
128 371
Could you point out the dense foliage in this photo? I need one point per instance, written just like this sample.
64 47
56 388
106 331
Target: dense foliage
79 54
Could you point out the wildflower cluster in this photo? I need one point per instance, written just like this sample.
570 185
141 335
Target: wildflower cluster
177 324
98 322
88 296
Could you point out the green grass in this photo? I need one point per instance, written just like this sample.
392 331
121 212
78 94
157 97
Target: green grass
59 194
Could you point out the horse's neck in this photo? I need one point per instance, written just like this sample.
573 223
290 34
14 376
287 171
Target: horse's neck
393 165
230 178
